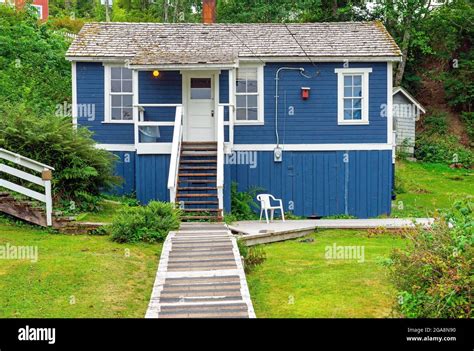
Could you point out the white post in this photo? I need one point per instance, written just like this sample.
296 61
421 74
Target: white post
47 176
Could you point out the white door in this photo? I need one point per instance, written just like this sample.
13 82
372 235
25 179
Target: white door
200 118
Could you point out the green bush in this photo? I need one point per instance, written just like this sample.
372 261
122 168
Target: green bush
243 203
253 256
433 275
468 119
149 223
81 170
446 150
436 123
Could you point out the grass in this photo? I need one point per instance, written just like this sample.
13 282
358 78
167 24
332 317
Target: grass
425 188
105 215
75 276
297 280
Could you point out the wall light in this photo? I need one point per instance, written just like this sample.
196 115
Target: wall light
156 74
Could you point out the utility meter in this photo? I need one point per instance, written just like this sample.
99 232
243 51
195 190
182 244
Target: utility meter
278 154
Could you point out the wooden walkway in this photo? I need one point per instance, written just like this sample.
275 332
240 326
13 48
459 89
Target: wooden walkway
200 275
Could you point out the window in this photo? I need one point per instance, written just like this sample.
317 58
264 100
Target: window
201 88
39 10
353 95
249 95
119 94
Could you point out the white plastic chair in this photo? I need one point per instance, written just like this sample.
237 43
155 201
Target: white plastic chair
266 205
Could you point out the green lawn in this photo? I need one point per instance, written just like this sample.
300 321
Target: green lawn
297 280
75 276
429 187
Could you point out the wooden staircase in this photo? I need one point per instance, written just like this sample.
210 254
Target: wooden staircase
197 182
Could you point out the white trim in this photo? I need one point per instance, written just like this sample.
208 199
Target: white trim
184 67
74 93
154 148
409 97
107 93
312 147
232 73
341 72
23 161
40 8
389 103
116 147
261 95
101 59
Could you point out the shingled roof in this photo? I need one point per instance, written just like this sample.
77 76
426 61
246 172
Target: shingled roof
186 43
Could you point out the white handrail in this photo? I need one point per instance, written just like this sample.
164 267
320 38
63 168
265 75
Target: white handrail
175 151
220 154
44 181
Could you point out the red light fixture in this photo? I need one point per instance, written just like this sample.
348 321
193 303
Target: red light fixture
305 93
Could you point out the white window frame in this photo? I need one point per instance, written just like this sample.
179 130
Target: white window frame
40 10
341 72
260 92
108 95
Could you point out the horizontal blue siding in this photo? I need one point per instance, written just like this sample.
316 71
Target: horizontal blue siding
315 120
224 87
152 177
321 183
90 90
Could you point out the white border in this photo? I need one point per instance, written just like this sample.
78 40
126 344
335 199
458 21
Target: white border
311 147
261 95
74 93
341 72
107 117
116 147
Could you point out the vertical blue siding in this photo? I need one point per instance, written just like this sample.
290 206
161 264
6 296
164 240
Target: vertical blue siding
125 169
90 90
152 177
321 183
315 120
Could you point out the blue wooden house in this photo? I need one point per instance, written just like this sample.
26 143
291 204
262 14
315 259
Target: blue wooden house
302 111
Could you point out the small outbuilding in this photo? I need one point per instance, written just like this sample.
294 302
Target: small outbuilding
406 111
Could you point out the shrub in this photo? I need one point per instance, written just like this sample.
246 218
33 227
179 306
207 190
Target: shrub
436 123
81 170
243 203
468 119
149 223
433 275
446 150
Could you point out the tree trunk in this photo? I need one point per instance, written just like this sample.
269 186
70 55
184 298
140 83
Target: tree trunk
401 65
334 9
165 10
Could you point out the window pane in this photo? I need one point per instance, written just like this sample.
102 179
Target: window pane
358 80
241 114
116 113
252 86
127 86
347 114
126 73
241 101
116 86
115 72
241 86
201 88
247 73
348 103
347 81
252 101
357 103
127 101
127 114
116 100
348 92
252 114
357 91
357 114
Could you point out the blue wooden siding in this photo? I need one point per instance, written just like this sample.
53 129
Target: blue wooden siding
125 169
224 87
321 183
152 177
315 120
90 91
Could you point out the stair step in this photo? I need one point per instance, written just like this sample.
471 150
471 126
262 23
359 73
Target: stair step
201 202
203 168
197 181
215 218
191 188
196 195
198 148
186 153
199 143
201 210
197 175
199 161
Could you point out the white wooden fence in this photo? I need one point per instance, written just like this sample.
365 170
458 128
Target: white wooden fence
43 181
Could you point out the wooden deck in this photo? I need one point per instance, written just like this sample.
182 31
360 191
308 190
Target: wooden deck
200 275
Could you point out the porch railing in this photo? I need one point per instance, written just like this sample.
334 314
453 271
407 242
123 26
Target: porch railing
220 155
175 153
44 181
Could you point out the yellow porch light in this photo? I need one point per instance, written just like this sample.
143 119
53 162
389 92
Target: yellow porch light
156 73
